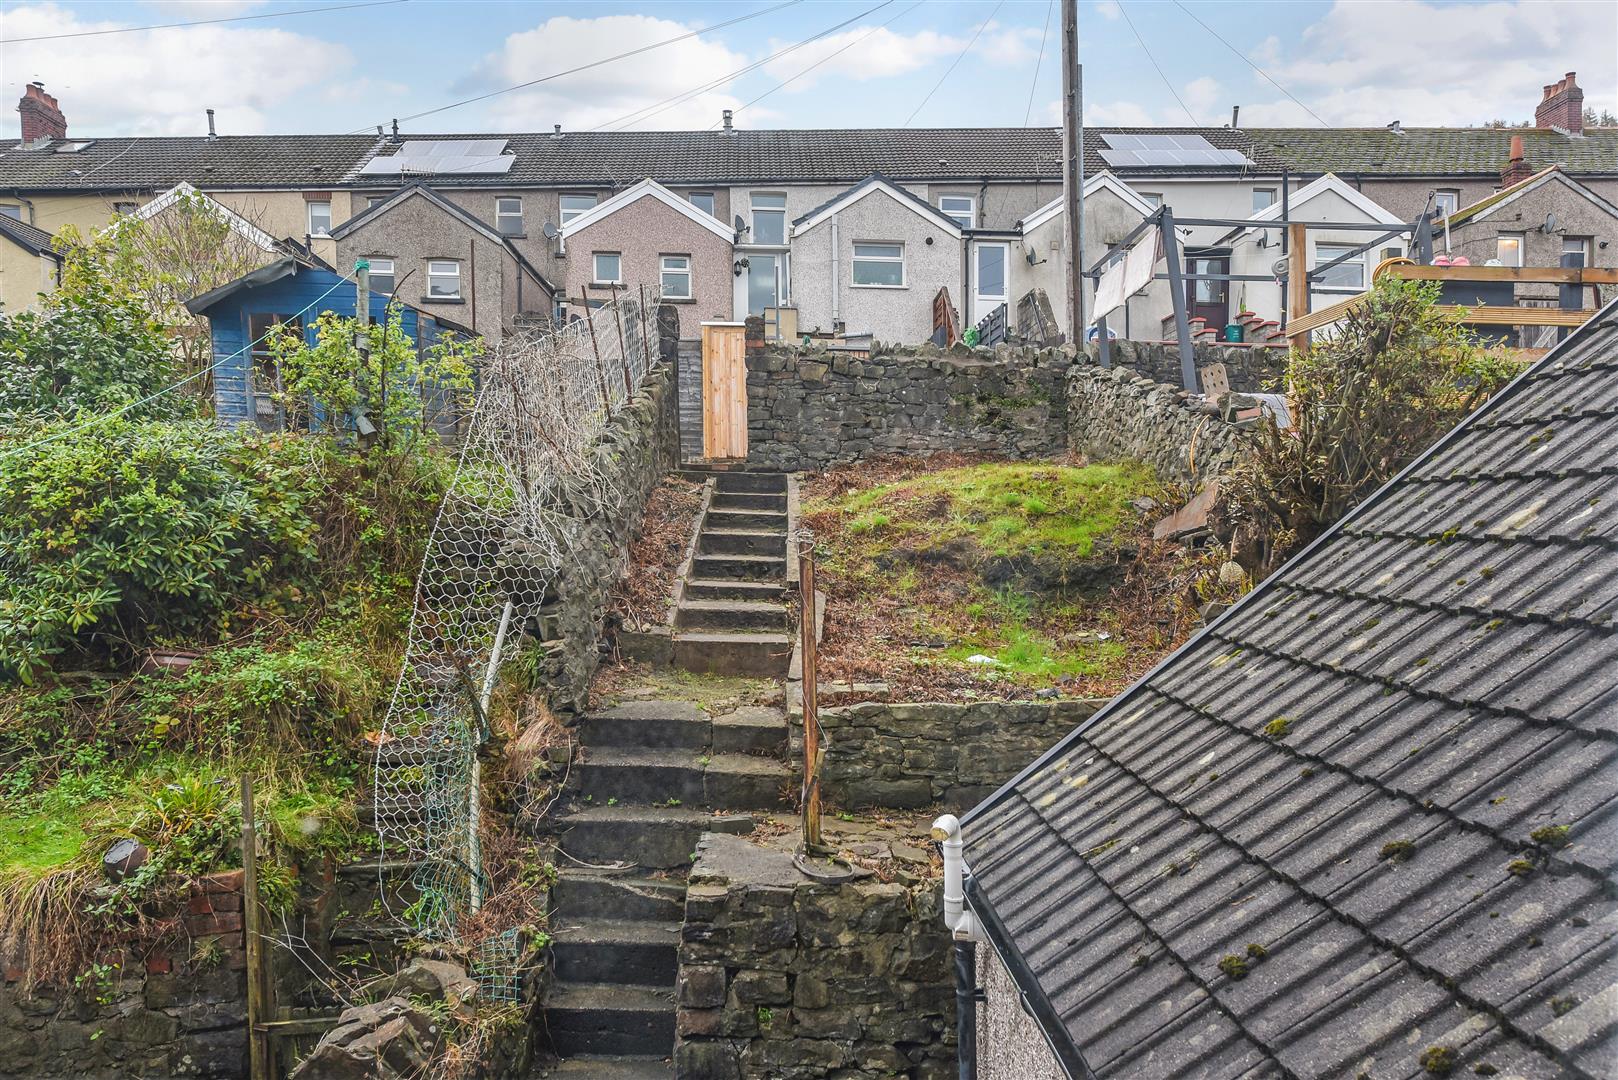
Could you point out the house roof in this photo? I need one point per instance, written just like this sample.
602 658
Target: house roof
871 184
1436 151
1505 196
238 224
1363 769
1097 182
1330 184
27 237
144 163
648 189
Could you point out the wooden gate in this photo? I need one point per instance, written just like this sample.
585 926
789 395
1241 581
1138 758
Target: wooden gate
724 391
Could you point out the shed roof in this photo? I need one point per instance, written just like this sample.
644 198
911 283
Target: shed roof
1365 769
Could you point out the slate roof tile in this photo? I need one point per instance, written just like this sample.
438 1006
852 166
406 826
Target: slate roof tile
1352 769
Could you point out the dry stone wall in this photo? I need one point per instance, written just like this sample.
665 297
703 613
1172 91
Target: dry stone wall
1118 414
1250 370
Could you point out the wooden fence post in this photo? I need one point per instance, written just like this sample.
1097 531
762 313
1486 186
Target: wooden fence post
811 687
1297 280
258 1056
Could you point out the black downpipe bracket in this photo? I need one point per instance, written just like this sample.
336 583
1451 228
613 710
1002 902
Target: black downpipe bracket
966 1008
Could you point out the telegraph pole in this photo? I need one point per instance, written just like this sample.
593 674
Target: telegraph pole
1073 168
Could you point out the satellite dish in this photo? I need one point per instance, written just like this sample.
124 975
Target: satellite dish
741 226
1550 224
1031 255
551 231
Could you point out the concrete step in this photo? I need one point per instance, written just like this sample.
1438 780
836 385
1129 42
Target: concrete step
588 1018
661 838
670 724
653 777
748 500
599 894
703 589
763 655
772 483
730 615
752 729
741 567
609 951
616 1067
729 518
711 541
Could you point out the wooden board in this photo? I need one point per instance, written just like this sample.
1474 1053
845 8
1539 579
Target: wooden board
1550 275
724 392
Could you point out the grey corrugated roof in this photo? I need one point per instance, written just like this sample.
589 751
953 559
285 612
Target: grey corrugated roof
1447 666
1437 151
26 236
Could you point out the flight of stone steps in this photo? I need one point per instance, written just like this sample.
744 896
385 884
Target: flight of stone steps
654 776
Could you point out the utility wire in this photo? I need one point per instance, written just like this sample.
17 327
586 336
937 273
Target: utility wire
1250 63
952 66
592 64
1155 64
656 108
198 22
1041 59
829 56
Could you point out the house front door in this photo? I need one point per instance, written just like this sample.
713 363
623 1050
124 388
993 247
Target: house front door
990 278
765 286
1209 300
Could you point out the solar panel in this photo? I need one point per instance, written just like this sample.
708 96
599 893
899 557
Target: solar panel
438 156
1161 150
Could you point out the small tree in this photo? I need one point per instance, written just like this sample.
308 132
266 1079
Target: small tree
391 382
1394 377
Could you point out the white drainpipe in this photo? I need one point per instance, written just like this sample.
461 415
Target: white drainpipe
961 922
836 274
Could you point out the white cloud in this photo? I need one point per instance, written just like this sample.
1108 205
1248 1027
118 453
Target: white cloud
159 82
204 9
1011 46
871 54
1109 10
605 94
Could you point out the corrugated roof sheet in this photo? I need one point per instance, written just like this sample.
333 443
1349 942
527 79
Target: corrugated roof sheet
1350 775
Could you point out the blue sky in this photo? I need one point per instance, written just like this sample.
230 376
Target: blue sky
1346 62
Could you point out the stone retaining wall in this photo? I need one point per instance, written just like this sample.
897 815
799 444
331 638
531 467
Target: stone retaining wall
1251 370
785 978
907 756
1118 414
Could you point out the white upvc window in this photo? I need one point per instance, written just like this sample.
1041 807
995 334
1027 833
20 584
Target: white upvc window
1263 198
674 273
574 205
508 215
443 279
608 267
11 210
319 216
382 277
879 265
373 201
1349 274
962 209
1154 199
704 201
769 217
1508 249
1446 201
1578 245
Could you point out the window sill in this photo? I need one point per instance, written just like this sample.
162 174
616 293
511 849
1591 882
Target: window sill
513 235
443 300
606 285
890 288
678 300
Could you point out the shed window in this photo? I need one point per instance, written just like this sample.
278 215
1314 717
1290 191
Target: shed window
962 209
319 217
703 200
443 279
1508 249
769 217
675 275
382 279
265 376
1345 275
574 205
609 269
508 215
879 264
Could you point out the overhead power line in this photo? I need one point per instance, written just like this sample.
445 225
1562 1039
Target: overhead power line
1155 64
198 22
1250 63
1028 112
950 70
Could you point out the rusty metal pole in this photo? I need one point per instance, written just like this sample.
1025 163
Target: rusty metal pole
623 346
601 375
258 1058
811 687
645 330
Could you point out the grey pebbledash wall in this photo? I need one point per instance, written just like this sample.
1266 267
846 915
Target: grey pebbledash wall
785 978
1118 414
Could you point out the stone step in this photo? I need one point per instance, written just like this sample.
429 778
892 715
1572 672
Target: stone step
599 894
410 750
741 567
611 951
617 1067
762 655
661 838
670 724
748 500
586 1018
704 589
730 615
770 482
736 518
752 729
711 541
654 777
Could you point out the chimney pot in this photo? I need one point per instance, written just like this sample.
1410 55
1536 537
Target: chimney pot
1517 169
1563 106
211 133
727 118
556 131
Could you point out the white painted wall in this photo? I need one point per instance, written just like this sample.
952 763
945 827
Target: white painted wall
1257 251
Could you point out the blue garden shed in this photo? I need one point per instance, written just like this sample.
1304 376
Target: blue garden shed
294 290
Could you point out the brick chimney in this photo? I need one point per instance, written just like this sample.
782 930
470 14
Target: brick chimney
41 117
1562 106
1517 169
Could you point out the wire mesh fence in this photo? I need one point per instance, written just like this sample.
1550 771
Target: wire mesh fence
530 472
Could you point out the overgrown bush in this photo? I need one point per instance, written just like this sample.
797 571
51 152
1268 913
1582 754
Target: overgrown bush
1393 377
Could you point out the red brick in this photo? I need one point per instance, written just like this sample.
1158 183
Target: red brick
224 922
226 901
200 904
236 959
157 964
223 882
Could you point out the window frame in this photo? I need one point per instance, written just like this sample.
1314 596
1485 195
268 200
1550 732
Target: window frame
374 201
855 259
309 216
1586 244
971 213
392 275
567 215
1454 197
664 270
1520 239
712 209
1337 249
595 268
1273 193
500 214
431 275
752 217
11 210
1154 199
